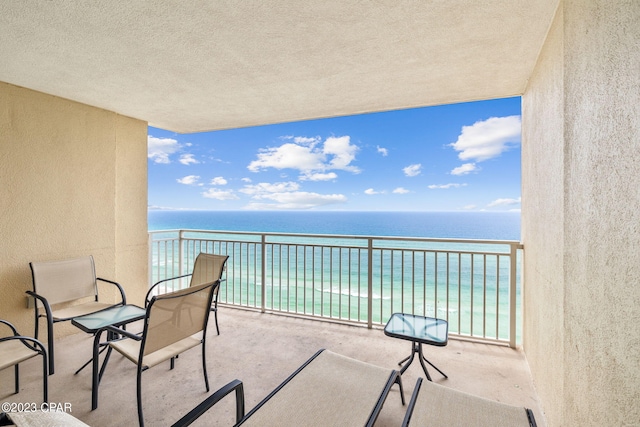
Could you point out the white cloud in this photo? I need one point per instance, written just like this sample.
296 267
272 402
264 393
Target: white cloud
487 139
214 193
303 140
308 156
297 200
319 177
187 159
412 170
465 169
401 190
265 188
159 149
343 153
382 151
288 156
446 186
218 180
469 207
371 192
504 202
189 180
246 180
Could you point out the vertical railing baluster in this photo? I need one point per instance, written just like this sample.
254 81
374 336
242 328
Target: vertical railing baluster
484 297
370 284
497 297
263 272
472 309
513 254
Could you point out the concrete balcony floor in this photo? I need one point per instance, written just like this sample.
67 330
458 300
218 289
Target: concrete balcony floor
261 350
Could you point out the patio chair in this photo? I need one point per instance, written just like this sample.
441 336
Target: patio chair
15 349
327 390
439 406
206 268
72 286
174 322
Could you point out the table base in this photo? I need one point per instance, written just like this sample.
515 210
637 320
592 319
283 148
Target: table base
416 348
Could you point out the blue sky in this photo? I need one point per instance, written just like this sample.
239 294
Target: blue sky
459 157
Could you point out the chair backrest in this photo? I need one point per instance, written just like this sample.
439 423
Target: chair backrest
65 280
207 268
175 316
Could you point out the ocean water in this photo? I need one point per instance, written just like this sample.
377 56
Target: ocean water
459 225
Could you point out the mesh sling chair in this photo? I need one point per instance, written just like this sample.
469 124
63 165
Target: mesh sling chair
439 406
57 283
174 322
329 389
15 349
206 268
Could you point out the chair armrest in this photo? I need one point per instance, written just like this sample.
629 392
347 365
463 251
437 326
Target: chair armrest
116 284
146 297
43 300
33 344
195 413
13 329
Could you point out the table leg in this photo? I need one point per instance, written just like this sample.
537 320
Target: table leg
421 356
409 359
95 380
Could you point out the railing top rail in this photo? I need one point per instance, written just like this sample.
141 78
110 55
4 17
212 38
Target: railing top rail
515 243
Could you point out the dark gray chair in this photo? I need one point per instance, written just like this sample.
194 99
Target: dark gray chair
206 268
174 323
327 390
56 283
15 349
434 405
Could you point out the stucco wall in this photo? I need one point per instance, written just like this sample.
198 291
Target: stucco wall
543 220
73 183
581 217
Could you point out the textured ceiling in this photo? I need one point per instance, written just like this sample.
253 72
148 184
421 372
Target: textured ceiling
191 66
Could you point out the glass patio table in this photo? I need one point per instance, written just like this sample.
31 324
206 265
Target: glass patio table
419 330
96 323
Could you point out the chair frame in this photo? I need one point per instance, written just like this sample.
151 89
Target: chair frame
414 397
38 348
214 306
143 337
48 312
237 386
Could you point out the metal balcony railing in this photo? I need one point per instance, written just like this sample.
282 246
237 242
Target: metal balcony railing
473 284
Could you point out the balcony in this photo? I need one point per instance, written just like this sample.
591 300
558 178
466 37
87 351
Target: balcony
287 295
262 349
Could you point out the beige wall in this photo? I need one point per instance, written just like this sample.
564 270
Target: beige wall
73 182
581 220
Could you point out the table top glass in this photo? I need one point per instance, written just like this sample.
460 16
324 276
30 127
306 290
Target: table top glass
112 316
425 330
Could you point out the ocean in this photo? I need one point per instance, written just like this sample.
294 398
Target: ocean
458 225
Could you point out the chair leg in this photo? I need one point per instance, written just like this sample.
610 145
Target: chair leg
45 378
17 377
50 345
215 314
139 397
204 365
